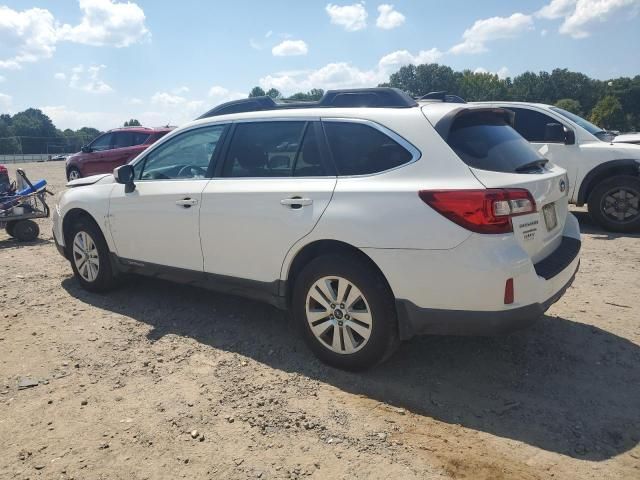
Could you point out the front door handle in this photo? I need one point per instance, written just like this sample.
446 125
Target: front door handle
296 202
187 202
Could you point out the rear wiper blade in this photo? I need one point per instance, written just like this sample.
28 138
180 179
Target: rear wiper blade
536 164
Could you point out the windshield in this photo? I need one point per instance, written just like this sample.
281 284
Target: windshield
588 126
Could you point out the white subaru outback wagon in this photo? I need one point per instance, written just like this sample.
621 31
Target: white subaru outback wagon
370 216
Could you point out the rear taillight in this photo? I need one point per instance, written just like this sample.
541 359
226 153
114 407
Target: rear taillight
481 211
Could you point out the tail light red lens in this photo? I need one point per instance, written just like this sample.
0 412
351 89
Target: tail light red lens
481 211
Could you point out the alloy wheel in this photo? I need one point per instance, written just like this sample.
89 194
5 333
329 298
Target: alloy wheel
338 315
621 204
85 256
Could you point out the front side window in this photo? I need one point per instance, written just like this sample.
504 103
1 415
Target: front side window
122 140
186 156
485 141
102 143
264 149
534 126
588 126
360 149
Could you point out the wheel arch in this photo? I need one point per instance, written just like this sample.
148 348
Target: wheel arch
318 248
69 218
608 169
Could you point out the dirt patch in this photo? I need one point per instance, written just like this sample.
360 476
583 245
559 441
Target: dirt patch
157 380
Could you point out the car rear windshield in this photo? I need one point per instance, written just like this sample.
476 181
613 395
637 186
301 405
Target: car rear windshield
486 141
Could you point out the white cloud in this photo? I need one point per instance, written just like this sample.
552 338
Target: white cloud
105 22
290 48
220 94
351 17
65 117
180 90
166 99
29 36
88 79
490 29
5 102
389 18
502 72
579 14
556 9
2 79
60 76
393 61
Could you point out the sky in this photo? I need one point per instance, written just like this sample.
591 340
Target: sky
100 62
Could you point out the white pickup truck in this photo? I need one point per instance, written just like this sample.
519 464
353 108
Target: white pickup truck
603 173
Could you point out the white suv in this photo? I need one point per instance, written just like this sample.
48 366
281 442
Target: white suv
370 216
603 172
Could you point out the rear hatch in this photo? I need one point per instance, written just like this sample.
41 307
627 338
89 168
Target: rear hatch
500 158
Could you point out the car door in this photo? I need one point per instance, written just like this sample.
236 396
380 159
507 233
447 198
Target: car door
123 149
271 190
94 159
534 125
158 222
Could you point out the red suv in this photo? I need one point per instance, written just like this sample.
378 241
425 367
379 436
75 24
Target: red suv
112 149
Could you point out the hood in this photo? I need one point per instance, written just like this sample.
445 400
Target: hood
622 150
627 137
92 180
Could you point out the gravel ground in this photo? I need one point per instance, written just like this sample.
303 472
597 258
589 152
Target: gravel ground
157 380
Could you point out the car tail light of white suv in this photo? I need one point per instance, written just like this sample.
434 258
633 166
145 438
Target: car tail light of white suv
481 211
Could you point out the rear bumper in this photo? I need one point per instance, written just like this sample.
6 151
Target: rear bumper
414 320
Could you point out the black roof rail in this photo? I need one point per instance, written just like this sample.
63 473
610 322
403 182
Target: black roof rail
443 97
380 97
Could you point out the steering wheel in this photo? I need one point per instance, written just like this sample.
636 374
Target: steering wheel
192 170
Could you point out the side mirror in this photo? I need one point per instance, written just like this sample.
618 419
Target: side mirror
569 136
86 149
124 174
554 132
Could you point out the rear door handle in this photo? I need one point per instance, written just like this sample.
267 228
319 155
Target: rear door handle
296 202
187 202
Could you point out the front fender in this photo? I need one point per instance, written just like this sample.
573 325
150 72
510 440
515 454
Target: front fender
602 171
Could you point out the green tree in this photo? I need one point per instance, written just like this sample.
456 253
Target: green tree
422 79
132 123
8 142
274 93
570 105
36 131
608 113
477 87
256 92
312 95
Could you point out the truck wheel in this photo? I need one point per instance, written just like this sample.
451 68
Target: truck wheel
346 312
26 230
9 228
73 174
614 203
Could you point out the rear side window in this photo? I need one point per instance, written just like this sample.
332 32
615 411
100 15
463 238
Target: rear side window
264 149
360 149
138 138
484 140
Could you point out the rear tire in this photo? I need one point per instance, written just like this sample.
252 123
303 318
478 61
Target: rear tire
89 257
614 204
25 230
351 309
73 174
9 228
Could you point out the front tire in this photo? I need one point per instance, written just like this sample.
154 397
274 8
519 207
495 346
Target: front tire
346 312
9 227
614 204
89 257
